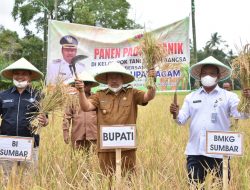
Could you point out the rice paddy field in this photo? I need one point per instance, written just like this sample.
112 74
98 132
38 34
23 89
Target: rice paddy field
161 163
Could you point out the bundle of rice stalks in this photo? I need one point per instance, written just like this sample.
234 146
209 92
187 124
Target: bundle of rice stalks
53 99
153 54
241 71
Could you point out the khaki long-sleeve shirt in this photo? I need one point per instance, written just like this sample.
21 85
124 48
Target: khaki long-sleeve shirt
83 124
115 109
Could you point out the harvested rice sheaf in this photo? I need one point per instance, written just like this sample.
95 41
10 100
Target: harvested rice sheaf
241 71
52 101
153 54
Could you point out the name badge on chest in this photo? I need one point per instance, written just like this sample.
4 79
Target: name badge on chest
214 117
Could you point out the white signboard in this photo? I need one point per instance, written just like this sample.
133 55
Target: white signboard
16 148
225 143
117 136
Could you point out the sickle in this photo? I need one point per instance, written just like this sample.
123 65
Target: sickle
72 65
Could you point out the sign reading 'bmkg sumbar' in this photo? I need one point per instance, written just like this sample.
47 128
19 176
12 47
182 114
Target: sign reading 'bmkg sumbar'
224 143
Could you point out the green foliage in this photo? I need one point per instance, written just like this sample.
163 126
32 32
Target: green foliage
110 13
104 13
10 47
32 51
13 48
5 84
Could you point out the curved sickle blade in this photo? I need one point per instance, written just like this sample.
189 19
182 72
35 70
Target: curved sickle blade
75 59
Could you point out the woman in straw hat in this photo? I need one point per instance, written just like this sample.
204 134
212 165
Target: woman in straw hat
115 105
84 124
15 105
209 109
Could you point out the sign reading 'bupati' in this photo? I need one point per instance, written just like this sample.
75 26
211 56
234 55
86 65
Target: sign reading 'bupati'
117 136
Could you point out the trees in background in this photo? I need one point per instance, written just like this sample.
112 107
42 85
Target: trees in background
103 13
12 48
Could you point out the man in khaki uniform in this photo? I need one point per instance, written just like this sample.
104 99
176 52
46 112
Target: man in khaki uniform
84 124
115 105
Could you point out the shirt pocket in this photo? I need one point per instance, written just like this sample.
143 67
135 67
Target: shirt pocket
105 107
196 106
8 105
125 107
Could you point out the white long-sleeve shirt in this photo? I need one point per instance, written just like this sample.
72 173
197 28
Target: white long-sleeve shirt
199 106
59 70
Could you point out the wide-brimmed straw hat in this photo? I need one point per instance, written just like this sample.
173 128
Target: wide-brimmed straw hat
225 71
85 77
114 67
21 64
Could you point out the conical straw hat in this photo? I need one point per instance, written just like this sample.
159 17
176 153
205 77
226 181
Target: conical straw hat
85 77
114 67
21 64
225 71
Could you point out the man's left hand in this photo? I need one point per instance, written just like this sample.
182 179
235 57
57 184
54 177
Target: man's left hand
152 72
246 92
43 120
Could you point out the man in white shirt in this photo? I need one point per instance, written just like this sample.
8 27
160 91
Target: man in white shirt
209 109
59 68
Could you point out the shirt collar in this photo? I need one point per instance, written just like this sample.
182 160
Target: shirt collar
216 89
65 62
14 88
123 89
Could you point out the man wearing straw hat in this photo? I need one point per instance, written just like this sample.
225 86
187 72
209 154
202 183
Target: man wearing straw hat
209 108
115 105
59 68
16 104
227 86
84 124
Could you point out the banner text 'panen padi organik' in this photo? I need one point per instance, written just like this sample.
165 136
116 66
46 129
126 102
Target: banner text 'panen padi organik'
101 46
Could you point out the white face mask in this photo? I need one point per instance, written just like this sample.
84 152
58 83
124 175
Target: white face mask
208 81
115 89
22 84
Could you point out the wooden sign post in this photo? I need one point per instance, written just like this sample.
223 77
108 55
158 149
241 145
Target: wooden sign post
226 144
225 172
118 166
16 148
117 137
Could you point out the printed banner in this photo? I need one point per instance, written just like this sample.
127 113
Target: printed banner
100 46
